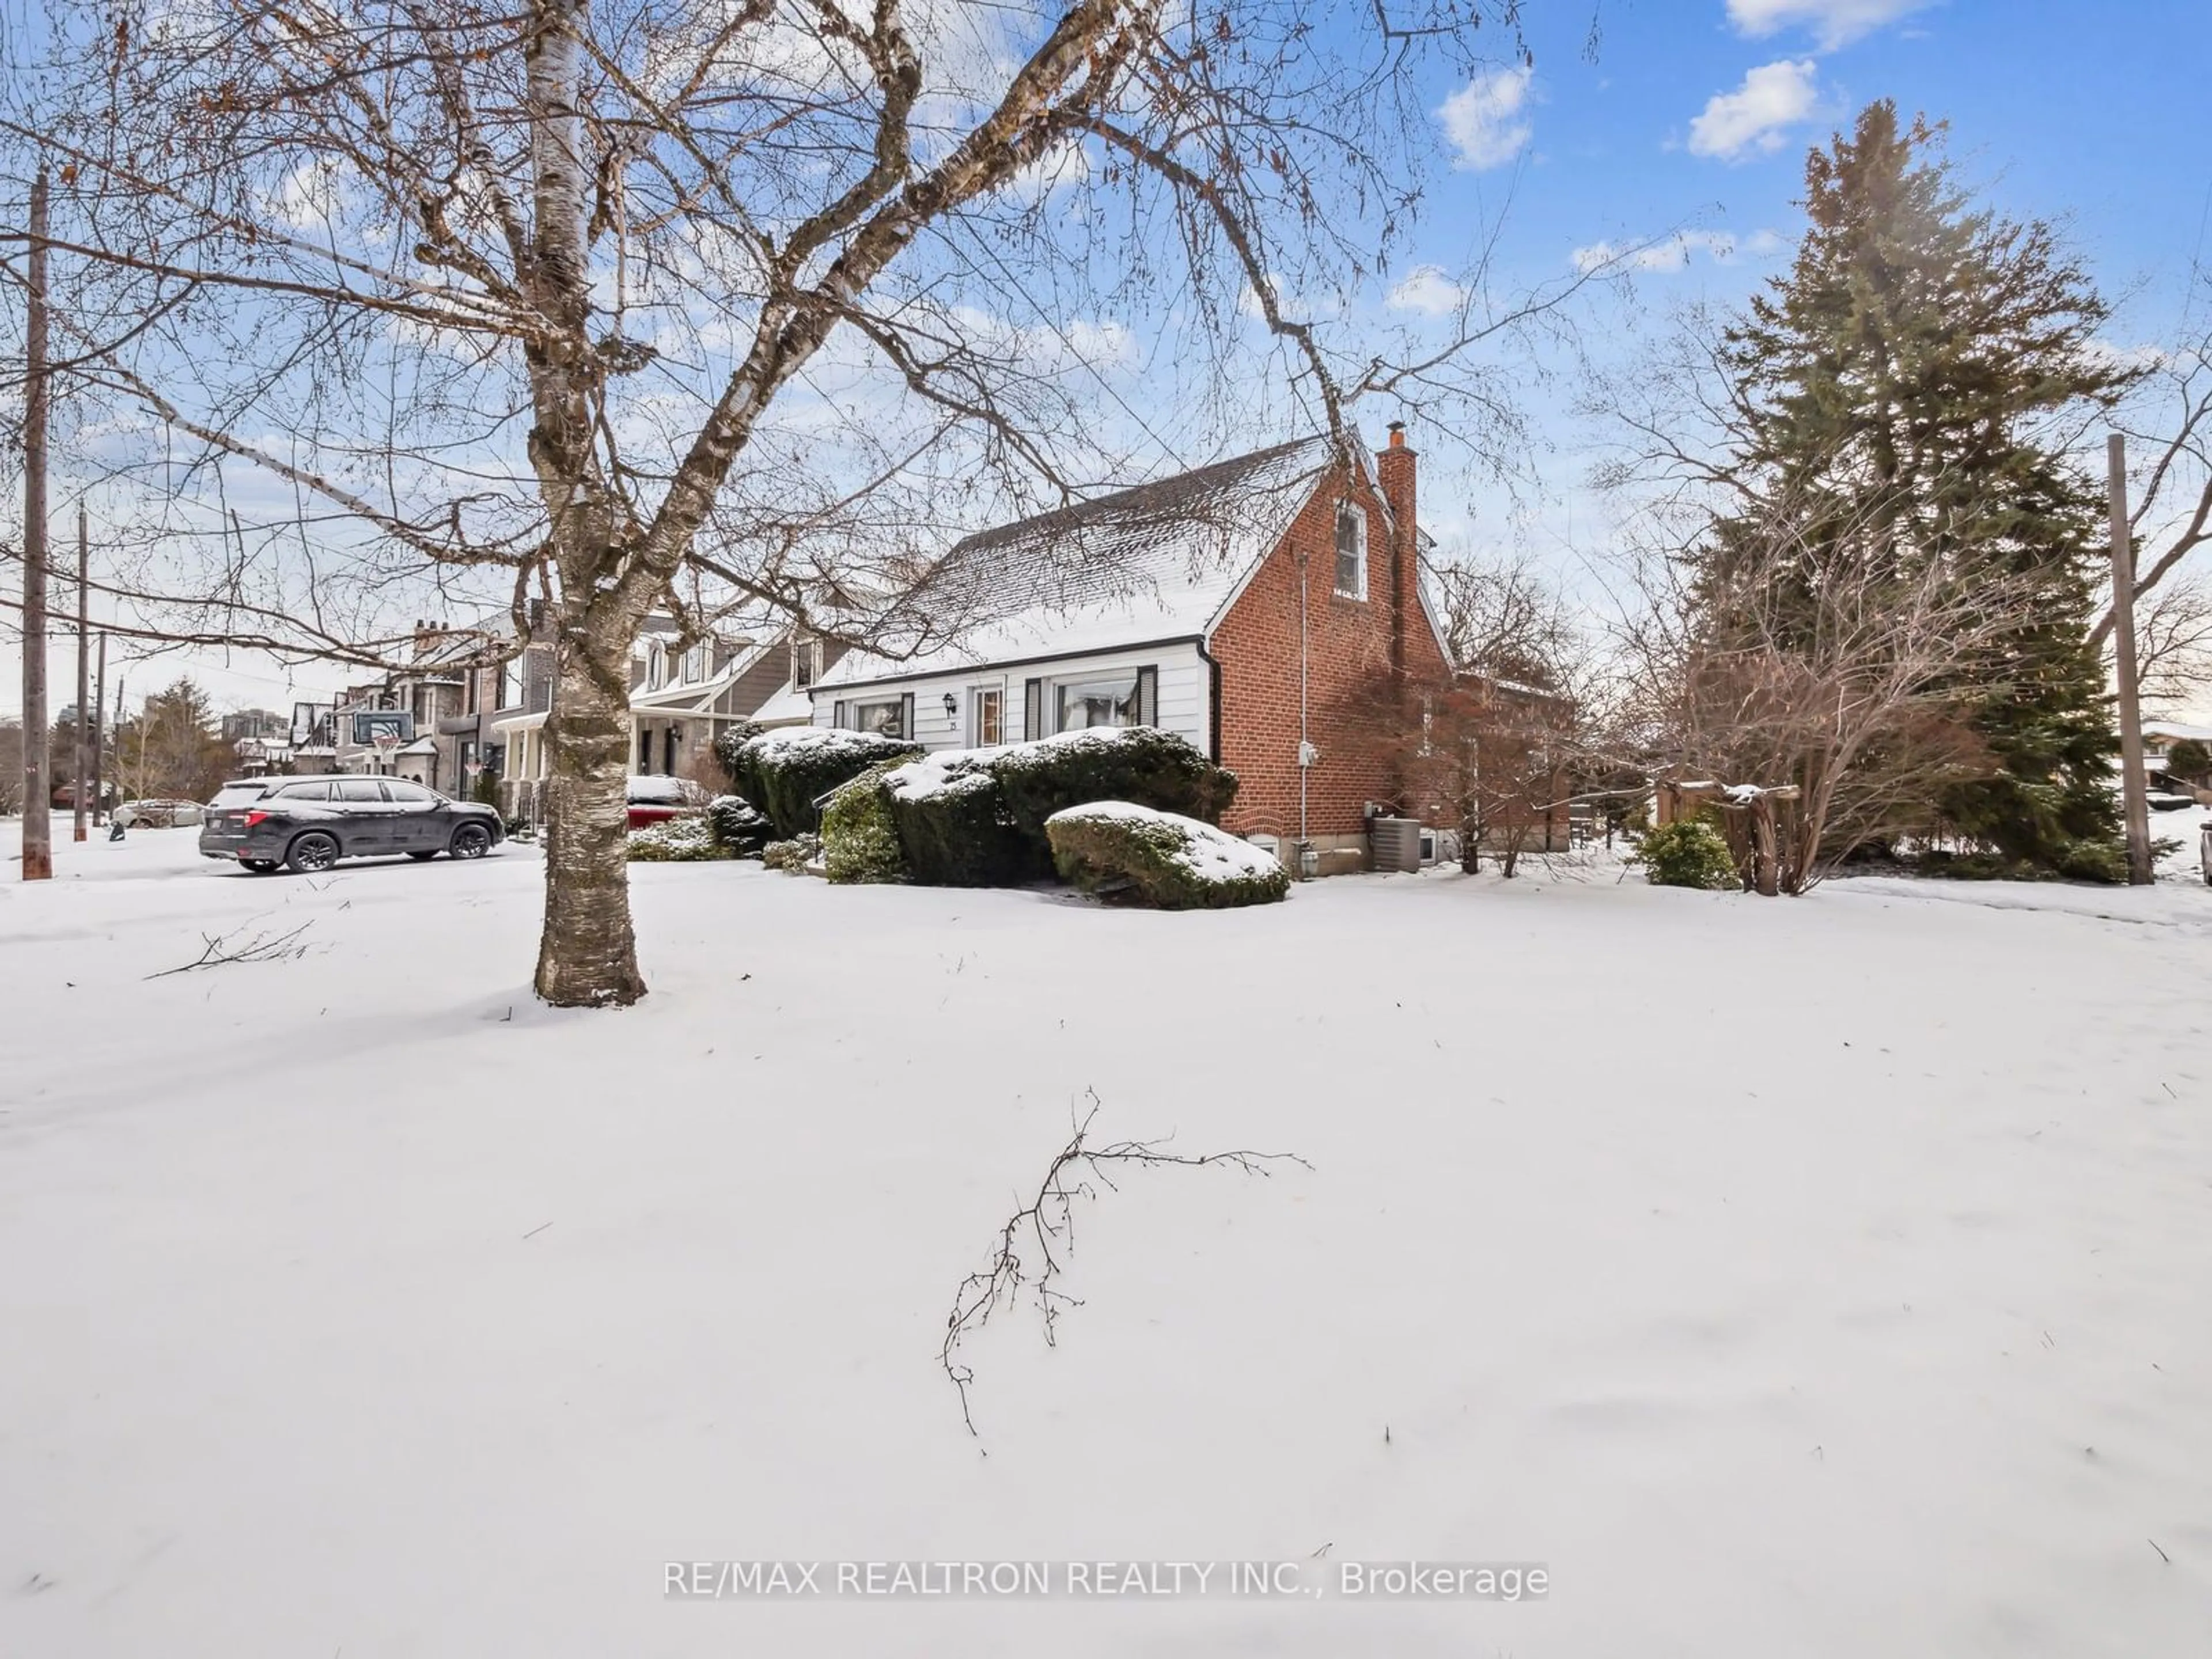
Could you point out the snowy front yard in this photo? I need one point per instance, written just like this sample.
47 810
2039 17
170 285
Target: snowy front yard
1829 1277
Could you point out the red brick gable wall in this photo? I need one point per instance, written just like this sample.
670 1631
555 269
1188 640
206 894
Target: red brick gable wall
1348 654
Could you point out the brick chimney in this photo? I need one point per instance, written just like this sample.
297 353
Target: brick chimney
1395 465
426 637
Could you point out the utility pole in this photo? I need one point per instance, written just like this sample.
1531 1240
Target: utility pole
100 738
2134 786
38 796
83 671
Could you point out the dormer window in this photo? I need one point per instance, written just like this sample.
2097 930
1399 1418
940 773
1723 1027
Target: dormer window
1350 552
656 668
695 662
805 662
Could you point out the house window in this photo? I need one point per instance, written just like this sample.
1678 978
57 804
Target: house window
805 662
988 718
886 718
656 668
1350 552
1128 696
695 662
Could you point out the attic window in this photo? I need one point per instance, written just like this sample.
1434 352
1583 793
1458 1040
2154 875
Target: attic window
805 662
1350 552
656 668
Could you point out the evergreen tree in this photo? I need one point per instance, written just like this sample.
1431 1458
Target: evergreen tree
1905 395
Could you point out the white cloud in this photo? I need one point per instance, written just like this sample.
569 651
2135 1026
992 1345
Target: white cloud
1754 117
1429 291
1764 244
1670 253
1484 120
1833 23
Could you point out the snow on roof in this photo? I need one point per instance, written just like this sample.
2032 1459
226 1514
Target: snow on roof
1158 561
786 703
2175 733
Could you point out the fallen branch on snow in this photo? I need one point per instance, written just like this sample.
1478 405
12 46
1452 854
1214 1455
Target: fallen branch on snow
222 948
1049 1220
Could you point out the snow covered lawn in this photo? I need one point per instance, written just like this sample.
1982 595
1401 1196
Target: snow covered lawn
1827 1278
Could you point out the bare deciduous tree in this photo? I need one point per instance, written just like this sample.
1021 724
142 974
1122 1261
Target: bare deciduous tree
661 307
1814 699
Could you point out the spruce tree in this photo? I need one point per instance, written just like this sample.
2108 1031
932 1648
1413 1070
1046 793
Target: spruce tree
1908 390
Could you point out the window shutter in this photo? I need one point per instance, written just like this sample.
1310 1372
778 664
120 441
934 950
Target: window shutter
1033 711
906 717
1148 696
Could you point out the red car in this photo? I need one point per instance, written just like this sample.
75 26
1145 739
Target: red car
655 799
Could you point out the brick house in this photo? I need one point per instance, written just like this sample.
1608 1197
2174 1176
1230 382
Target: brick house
1261 607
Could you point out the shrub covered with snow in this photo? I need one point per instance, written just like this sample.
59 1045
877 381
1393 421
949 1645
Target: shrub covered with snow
1135 763
738 825
676 840
953 824
784 772
860 836
792 856
1687 853
1118 849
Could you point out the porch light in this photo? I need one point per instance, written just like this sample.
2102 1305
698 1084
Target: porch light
951 705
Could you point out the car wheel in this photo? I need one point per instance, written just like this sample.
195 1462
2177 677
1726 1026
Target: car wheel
312 853
420 856
259 866
470 840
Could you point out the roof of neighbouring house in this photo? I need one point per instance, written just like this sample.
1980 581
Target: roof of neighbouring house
2176 732
1162 560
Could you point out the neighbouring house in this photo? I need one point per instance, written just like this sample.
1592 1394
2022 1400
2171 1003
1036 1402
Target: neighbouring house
679 699
2159 738
1252 606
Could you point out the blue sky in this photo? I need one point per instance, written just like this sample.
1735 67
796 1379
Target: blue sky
1695 115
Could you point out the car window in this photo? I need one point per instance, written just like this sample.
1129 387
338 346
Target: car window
239 794
359 789
317 791
398 789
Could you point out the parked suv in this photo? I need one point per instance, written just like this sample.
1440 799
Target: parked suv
310 823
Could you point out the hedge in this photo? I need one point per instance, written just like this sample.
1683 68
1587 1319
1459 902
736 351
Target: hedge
1138 764
1120 850
738 825
675 841
860 836
1687 853
953 825
784 772
790 856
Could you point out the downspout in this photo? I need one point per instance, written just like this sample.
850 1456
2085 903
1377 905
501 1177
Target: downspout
1213 702
1304 748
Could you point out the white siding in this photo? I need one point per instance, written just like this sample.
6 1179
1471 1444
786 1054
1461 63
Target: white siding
1185 688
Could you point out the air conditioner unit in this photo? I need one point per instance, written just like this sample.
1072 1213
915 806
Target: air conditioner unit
1396 843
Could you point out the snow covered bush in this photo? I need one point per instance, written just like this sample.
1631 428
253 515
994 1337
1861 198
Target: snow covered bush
739 825
790 856
784 772
1118 849
953 824
1135 763
676 840
1687 853
860 836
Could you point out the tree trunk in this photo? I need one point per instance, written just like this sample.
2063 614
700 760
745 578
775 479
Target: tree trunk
587 954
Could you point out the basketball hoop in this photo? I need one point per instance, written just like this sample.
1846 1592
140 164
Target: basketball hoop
387 744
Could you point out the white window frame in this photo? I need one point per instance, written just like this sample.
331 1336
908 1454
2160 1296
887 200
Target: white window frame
897 704
656 667
695 662
1350 513
977 694
1142 681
